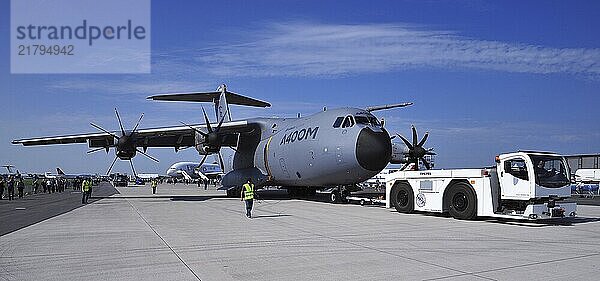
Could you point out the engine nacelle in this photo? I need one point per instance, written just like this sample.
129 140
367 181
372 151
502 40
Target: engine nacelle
125 148
399 153
207 145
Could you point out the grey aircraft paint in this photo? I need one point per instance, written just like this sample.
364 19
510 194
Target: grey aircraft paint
309 151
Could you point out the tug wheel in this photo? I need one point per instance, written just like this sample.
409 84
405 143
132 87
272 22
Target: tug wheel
402 198
462 200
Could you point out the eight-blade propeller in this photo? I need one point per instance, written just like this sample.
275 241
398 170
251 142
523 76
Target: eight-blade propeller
212 139
416 151
126 144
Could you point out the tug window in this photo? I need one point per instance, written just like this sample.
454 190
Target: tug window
338 122
517 168
348 122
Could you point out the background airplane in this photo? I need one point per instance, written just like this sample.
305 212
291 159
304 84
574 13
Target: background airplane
61 174
336 148
193 170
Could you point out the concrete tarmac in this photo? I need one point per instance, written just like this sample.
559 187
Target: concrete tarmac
186 233
34 208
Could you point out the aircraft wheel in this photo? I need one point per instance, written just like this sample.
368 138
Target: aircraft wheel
463 203
334 197
402 198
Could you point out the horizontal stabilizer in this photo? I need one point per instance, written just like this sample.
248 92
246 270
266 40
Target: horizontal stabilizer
388 106
232 98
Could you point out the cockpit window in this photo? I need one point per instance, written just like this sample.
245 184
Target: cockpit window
348 122
367 120
338 122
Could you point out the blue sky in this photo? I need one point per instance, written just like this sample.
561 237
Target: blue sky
485 76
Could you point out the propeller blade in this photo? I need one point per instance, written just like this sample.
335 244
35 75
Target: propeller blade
147 155
203 159
406 142
424 139
195 129
427 165
404 167
94 150
105 131
221 161
222 119
414 135
111 165
120 123
132 168
137 124
207 121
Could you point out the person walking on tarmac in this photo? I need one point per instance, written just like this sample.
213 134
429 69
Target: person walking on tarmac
248 196
86 190
154 183
11 188
20 187
2 184
36 185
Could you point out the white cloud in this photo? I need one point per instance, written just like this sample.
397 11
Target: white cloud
308 49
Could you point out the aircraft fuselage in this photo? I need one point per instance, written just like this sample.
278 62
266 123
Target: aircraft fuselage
336 147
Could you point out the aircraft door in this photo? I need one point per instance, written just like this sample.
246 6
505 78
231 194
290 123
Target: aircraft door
515 179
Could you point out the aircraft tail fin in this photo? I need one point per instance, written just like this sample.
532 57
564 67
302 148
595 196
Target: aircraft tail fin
59 171
221 105
221 99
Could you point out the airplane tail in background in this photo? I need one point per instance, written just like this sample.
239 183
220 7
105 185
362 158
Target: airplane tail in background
60 172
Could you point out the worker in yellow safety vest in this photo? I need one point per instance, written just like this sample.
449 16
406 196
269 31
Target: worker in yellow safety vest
86 190
248 196
154 183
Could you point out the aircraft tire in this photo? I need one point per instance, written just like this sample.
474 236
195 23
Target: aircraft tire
334 197
463 202
402 198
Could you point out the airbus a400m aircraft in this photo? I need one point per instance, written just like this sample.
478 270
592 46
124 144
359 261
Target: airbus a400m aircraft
331 149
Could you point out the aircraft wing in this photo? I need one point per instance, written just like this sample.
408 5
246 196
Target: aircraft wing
175 136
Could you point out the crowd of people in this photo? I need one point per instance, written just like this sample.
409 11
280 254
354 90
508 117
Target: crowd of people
11 184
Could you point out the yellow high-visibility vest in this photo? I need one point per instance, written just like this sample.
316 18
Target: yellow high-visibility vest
248 191
86 186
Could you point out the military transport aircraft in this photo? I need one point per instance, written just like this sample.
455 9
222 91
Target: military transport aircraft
331 149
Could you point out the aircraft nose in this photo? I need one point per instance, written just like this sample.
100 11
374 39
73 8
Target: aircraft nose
373 149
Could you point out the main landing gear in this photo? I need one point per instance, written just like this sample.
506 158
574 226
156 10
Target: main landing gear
338 195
